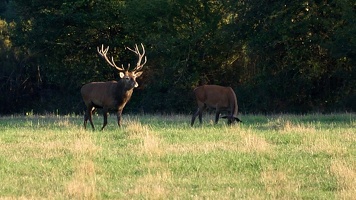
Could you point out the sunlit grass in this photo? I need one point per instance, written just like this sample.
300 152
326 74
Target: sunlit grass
162 157
345 173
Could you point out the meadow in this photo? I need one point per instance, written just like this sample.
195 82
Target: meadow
282 156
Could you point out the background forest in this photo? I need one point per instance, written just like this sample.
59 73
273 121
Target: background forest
278 56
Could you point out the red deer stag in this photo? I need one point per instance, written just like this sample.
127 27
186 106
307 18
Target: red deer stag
218 97
112 95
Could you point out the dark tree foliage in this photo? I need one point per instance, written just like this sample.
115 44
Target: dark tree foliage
286 56
291 45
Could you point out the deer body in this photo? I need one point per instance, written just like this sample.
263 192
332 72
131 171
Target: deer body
111 95
218 97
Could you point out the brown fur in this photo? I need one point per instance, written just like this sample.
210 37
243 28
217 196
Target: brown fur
109 95
112 95
218 97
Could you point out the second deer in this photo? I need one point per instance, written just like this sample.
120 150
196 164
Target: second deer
218 97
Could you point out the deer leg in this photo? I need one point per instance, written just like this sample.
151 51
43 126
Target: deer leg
86 119
200 116
194 116
88 115
119 112
217 115
91 117
202 107
105 114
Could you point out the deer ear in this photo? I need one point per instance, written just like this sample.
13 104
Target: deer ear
122 74
137 74
136 84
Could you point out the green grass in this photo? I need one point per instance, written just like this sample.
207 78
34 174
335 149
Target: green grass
162 157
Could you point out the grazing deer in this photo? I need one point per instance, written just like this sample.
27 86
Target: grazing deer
218 97
112 95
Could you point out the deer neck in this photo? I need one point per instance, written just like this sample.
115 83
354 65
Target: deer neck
122 90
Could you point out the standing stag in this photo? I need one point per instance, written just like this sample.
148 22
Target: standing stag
112 95
218 97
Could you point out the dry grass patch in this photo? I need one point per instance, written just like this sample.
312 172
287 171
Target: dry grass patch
322 144
64 122
26 144
290 127
348 134
252 143
245 141
231 138
83 183
150 143
83 144
201 147
286 126
21 151
153 186
278 185
346 178
135 129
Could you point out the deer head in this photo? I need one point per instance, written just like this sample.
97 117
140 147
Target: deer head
128 77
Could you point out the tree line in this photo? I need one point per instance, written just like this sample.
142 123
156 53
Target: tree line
278 56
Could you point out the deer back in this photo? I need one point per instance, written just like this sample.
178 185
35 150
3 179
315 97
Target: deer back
106 94
214 96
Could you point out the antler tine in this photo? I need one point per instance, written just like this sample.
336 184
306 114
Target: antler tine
112 63
140 56
143 53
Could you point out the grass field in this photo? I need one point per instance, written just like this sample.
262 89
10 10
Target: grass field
162 157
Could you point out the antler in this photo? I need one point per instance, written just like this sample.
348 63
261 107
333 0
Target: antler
140 56
103 53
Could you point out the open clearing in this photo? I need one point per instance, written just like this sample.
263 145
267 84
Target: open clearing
161 157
